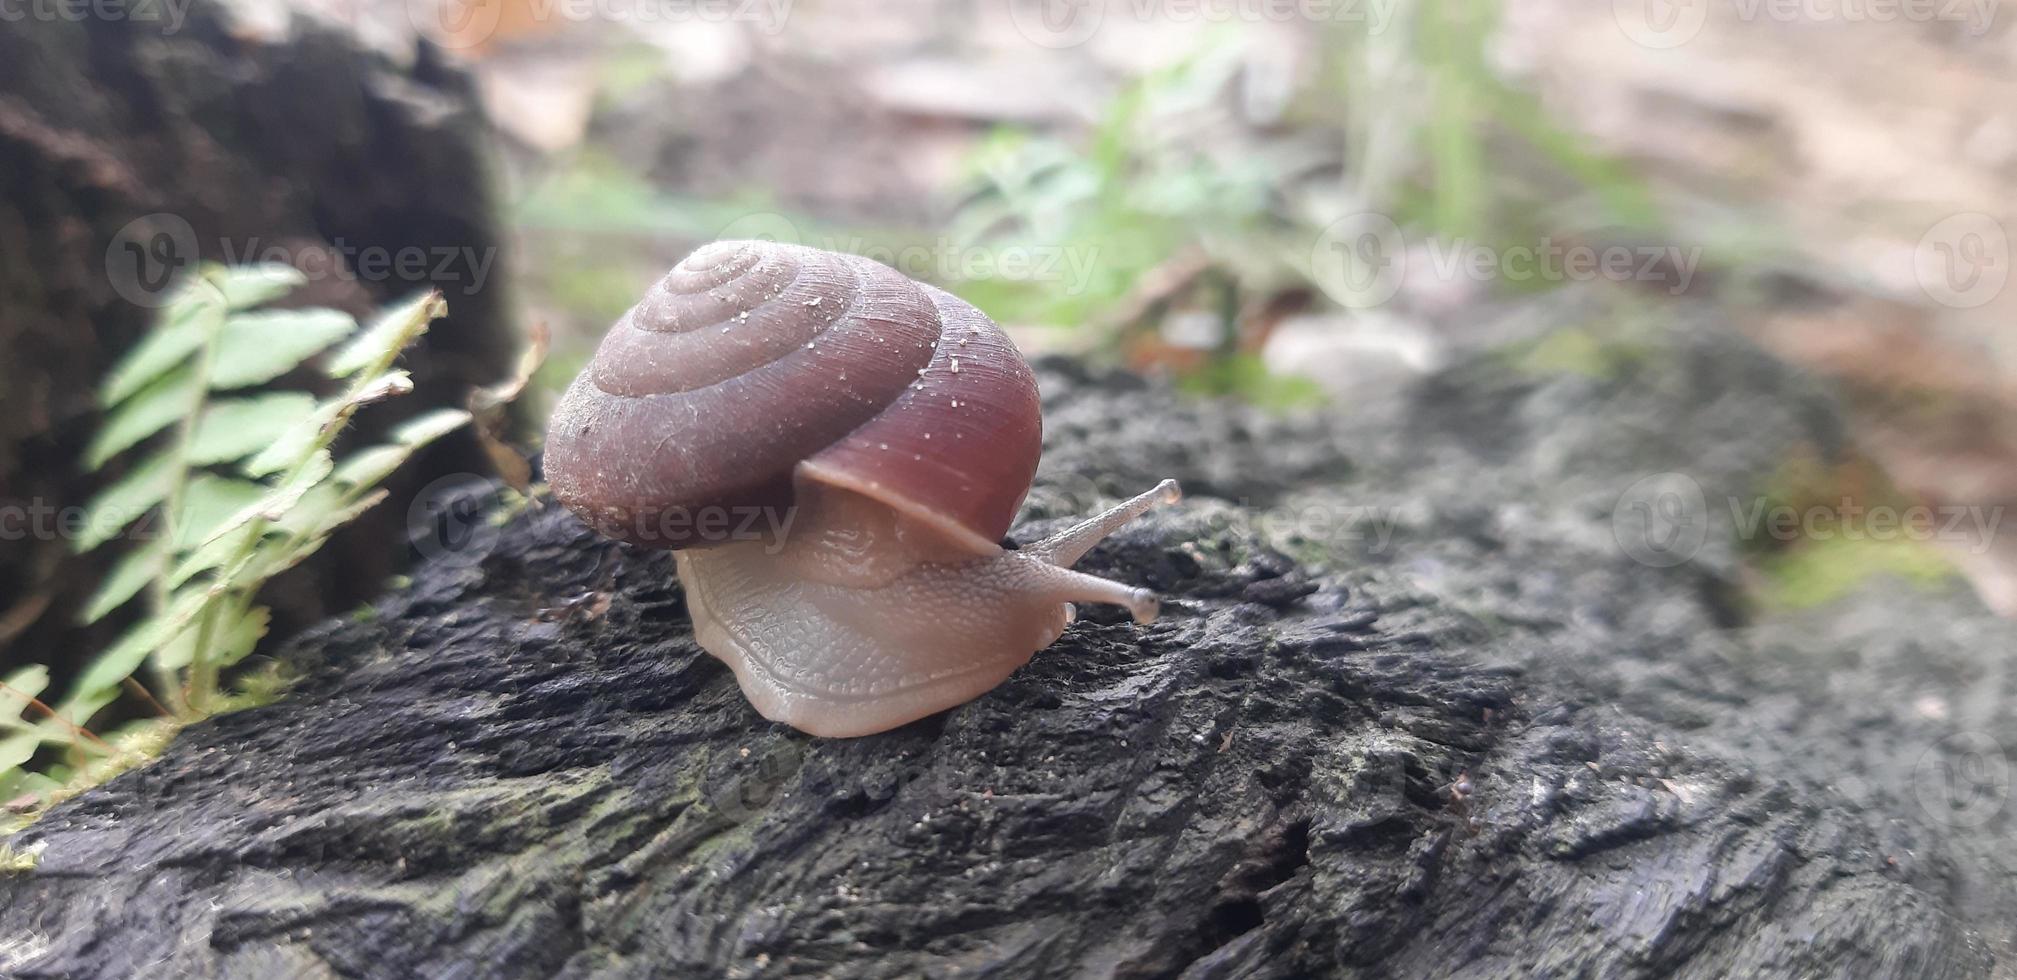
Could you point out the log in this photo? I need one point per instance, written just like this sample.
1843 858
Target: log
1493 745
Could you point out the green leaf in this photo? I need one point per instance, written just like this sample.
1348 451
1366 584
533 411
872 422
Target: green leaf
274 502
394 331
209 504
20 783
291 446
423 429
124 502
228 644
308 526
317 429
247 286
28 682
78 709
323 517
183 330
257 347
235 428
128 577
211 554
127 653
368 467
275 556
157 407
16 750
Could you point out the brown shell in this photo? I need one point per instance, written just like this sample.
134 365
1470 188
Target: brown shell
752 363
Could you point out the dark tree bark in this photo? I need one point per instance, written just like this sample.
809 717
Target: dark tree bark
1488 745
130 149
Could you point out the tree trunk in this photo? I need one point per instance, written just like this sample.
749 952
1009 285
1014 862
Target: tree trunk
133 148
1460 733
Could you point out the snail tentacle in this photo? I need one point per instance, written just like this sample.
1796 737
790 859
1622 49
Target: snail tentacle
1065 548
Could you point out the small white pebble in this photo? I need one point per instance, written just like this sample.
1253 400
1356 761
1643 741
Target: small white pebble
955 365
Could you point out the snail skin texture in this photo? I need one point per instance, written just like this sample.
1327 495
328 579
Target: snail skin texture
834 452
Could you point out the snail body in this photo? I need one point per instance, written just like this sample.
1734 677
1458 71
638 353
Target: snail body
885 431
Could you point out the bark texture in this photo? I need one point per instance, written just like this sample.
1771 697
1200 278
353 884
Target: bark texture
1487 744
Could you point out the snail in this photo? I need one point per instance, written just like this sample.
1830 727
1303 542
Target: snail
834 453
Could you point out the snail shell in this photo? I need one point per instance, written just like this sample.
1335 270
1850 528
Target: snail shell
885 433
752 363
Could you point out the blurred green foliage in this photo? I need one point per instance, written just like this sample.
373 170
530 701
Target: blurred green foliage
1813 570
230 484
1412 121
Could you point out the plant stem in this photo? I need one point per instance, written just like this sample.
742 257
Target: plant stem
185 435
78 733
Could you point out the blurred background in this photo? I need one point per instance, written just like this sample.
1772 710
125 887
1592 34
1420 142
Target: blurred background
1289 202
1293 203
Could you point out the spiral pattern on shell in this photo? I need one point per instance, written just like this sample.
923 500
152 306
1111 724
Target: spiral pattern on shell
752 363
